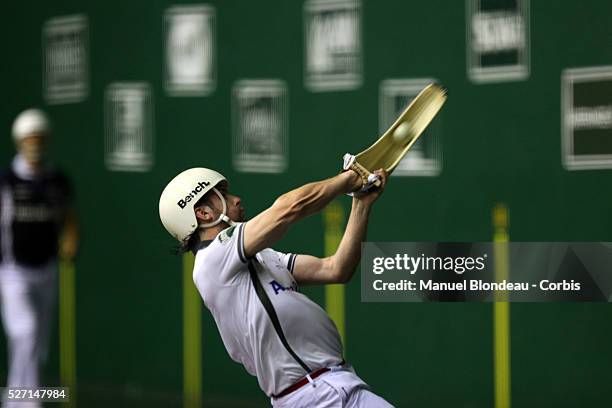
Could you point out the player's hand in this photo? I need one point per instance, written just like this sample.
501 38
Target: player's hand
354 181
372 195
68 247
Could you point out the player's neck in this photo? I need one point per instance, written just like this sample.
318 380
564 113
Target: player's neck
210 233
27 168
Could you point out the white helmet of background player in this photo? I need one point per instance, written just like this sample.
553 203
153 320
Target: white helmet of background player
30 122
177 201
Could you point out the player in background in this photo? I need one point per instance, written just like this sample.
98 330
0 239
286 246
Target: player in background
279 335
37 223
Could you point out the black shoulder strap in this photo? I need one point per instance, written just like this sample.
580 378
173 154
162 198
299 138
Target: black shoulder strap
267 304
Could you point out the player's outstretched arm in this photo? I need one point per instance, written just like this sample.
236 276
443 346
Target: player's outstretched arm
340 267
269 226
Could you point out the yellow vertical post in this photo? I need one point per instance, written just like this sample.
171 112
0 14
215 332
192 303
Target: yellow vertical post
333 219
501 312
67 332
192 338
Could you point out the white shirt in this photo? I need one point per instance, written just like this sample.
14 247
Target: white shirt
222 277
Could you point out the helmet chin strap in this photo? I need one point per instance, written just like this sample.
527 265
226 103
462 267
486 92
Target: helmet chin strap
222 217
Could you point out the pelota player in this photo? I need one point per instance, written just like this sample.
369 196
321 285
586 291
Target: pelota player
266 324
35 210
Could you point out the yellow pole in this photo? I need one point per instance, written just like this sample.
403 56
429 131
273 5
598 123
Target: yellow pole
67 328
501 313
192 341
333 219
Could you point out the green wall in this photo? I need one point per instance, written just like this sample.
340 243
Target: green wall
501 143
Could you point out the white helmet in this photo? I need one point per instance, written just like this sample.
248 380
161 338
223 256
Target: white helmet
30 121
176 204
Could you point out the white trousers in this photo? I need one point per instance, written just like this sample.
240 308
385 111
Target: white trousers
339 388
27 311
